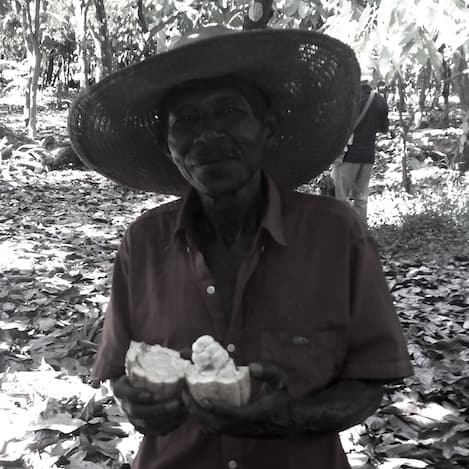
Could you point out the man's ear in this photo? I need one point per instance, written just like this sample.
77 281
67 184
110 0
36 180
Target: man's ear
164 148
166 151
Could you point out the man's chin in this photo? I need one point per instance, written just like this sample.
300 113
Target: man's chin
218 188
217 192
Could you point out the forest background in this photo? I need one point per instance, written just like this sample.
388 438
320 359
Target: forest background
60 224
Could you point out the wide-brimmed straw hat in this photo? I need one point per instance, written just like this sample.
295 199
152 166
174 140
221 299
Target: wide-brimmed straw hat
312 82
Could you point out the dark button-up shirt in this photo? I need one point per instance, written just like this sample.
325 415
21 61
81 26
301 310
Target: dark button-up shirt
375 120
310 297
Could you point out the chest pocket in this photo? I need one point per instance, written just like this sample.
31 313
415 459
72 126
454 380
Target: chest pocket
310 359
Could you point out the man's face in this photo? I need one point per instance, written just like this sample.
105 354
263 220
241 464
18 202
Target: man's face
215 138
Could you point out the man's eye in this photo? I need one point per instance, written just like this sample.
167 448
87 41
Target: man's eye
189 117
231 110
185 118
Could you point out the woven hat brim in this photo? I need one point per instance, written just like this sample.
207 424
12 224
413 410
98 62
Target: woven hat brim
312 81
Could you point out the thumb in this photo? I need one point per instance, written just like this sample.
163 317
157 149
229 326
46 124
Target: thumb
268 373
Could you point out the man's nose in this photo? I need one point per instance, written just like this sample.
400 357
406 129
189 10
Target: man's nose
209 127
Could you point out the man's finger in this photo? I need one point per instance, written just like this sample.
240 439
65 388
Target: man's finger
157 427
163 409
216 417
268 373
208 420
253 412
123 389
189 401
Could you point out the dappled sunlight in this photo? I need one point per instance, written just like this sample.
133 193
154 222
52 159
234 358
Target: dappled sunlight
60 234
89 230
20 255
34 401
437 193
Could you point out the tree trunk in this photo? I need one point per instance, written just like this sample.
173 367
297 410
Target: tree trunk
32 128
36 67
57 74
445 92
27 98
406 183
81 12
461 160
150 46
424 77
99 72
32 37
461 83
66 69
49 78
102 43
141 17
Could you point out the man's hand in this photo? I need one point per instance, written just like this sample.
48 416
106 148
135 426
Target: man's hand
146 414
269 416
276 414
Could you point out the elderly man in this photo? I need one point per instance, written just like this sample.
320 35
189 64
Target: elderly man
291 284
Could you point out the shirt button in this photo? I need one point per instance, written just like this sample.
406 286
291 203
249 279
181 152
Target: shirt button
231 348
232 464
210 289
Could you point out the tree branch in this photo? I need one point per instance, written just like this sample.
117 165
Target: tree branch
29 19
37 15
141 17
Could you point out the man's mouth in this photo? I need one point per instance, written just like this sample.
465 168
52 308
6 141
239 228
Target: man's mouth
208 155
210 164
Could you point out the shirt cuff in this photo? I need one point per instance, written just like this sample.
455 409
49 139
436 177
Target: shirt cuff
381 371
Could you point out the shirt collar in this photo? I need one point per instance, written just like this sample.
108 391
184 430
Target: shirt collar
272 220
189 205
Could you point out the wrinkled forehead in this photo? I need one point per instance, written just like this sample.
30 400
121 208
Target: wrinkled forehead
229 85
218 94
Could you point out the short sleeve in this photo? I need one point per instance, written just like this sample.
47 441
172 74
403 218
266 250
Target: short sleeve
377 347
110 358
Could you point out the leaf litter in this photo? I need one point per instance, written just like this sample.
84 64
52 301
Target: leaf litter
58 236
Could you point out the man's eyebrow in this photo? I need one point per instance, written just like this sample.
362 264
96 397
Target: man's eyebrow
226 98
181 106
229 99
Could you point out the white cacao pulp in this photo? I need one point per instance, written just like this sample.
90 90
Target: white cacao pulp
214 378
157 369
